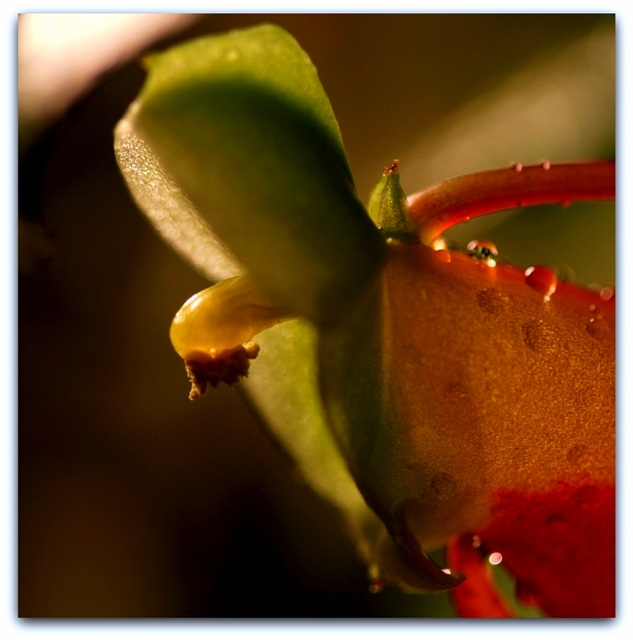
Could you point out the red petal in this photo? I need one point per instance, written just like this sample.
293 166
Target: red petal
560 547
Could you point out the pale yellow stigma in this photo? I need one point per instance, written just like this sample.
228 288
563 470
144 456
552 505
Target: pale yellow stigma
213 329
223 317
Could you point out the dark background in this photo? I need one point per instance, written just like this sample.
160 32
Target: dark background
132 500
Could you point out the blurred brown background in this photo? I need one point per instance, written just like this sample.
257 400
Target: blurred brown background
134 501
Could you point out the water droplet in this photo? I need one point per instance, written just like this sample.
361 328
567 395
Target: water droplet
606 293
493 301
592 307
546 165
443 255
517 166
377 586
539 337
597 328
541 279
443 485
483 250
579 455
495 558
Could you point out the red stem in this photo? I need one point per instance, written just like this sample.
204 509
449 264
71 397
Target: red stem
448 203
478 596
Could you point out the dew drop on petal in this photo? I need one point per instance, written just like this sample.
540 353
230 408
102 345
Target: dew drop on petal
493 301
377 586
541 279
495 558
483 250
606 293
597 328
579 455
442 255
539 336
516 166
546 165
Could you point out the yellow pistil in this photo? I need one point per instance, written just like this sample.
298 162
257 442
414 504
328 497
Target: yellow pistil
213 330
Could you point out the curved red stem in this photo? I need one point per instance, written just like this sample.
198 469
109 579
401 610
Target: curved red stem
478 596
450 202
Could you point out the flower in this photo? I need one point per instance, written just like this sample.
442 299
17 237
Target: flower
434 396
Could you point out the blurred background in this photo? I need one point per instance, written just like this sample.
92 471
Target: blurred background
135 502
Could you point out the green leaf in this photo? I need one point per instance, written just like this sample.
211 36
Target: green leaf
242 126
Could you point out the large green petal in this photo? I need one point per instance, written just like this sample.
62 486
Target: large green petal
277 164
287 361
242 125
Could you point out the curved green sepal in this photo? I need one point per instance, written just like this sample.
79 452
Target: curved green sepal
242 124
388 207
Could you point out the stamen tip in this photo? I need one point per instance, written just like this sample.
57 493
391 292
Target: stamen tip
212 369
